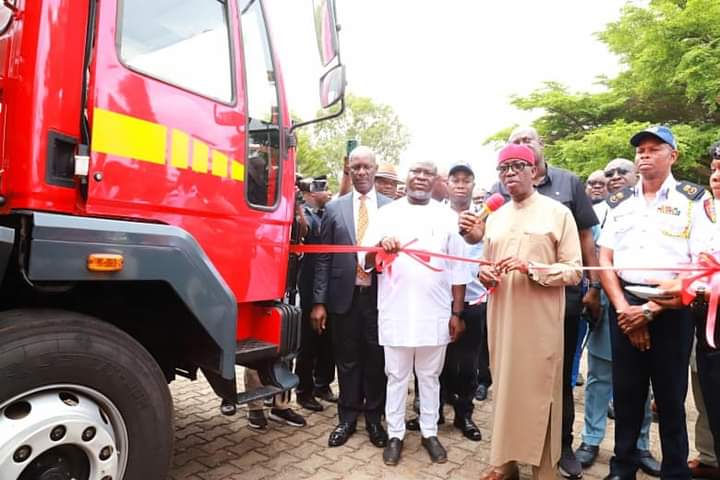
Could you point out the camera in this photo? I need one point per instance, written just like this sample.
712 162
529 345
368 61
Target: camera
310 184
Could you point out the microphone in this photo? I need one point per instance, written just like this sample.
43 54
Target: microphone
492 203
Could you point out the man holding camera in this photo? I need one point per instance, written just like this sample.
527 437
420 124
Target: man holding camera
315 364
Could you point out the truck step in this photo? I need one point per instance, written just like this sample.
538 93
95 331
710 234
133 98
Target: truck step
261 393
251 350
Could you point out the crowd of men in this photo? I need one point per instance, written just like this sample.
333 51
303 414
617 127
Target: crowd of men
520 316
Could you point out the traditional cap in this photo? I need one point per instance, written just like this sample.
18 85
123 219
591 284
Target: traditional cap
512 151
661 132
388 172
461 167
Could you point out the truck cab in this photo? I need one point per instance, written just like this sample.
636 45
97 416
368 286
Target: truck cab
147 197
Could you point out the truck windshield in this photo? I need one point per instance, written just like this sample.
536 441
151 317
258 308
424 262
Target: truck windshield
170 40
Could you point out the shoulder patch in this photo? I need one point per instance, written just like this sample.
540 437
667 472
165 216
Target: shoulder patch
709 206
690 190
618 197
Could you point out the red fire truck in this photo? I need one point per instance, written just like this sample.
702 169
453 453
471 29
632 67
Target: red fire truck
147 171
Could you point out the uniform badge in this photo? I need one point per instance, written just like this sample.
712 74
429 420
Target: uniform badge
709 205
668 210
690 189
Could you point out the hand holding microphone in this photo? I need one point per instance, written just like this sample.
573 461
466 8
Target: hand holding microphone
467 221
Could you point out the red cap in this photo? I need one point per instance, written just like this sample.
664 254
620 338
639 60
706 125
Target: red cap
494 201
512 151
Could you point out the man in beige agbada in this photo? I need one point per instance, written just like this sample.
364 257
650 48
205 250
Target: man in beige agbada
534 246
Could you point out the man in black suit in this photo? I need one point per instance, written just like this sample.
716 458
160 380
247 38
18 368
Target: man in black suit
346 296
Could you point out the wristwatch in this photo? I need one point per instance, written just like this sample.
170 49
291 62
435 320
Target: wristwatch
457 314
699 304
647 313
596 285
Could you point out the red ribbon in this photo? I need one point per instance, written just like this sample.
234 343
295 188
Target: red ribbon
707 265
711 272
383 259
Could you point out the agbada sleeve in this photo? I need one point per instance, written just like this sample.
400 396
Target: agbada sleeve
566 270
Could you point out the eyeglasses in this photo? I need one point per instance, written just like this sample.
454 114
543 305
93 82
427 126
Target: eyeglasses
620 171
516 167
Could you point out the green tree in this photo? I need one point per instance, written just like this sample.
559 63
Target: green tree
372 124
671 53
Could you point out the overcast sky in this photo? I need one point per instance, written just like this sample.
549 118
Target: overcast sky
448 68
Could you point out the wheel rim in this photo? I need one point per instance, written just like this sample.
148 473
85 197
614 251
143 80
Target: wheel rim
62 432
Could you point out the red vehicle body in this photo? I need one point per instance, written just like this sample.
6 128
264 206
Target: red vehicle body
155 137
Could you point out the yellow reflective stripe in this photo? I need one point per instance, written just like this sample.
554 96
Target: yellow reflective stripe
219 164
237 171
125 136
180 149
200 156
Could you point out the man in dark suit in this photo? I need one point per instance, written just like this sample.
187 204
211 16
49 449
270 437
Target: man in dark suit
346 296
315 365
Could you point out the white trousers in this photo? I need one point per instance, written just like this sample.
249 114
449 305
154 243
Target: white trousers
428 362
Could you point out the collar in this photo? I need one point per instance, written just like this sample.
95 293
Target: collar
371 195
665 188
548 176
528 201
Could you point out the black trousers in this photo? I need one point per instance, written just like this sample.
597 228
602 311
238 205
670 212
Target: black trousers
573 310
360 360
315 364
708 366
666 366
484 376
459 375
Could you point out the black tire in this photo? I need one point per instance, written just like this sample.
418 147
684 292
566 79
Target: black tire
46 347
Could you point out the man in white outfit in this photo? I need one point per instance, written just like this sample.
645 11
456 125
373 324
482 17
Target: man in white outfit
419 308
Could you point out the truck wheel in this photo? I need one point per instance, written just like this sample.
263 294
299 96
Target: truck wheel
79 399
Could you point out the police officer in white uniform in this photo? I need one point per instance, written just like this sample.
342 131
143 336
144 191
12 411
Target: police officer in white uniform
659 222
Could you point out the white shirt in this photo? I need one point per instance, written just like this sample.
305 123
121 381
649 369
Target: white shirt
414 302
667 231
370 203
475 292
601 211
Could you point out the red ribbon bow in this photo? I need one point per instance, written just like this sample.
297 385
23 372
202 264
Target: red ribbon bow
711 271
384 260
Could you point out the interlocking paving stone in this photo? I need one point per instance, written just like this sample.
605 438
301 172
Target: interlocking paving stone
211 446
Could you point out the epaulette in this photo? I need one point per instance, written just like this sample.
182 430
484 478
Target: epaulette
618 197
690 190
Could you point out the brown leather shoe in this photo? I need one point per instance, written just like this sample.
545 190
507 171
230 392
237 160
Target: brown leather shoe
494 474
701 470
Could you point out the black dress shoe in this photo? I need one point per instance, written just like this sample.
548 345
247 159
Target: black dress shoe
325 393
481 392
435 449
341 434
413 424
378 435
391 454
613 477
586 454
648 464
308 402
468 428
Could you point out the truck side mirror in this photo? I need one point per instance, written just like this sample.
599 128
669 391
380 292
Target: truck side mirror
326 30
7 11
332 86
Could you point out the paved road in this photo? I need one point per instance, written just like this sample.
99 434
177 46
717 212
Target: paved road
210 446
